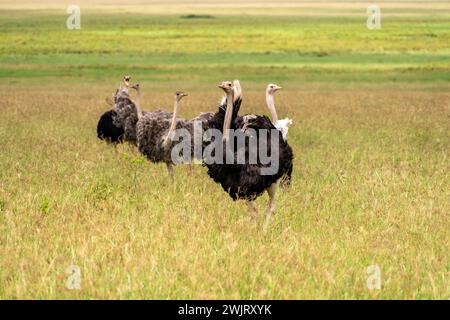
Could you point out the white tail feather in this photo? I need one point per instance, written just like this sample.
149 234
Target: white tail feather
283 126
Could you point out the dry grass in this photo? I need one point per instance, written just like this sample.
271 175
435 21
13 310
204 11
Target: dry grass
371 138
371 186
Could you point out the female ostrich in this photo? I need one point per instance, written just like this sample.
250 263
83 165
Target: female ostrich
106 129
127 117
246 181
282 125
154 130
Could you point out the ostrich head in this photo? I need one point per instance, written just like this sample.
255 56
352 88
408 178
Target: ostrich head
226 86
272 88
179 95
136 87
126 80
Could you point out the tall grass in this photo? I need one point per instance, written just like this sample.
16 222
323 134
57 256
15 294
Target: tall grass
370 137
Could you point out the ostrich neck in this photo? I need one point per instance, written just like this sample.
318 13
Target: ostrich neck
228 115
138 104
271 105
174 118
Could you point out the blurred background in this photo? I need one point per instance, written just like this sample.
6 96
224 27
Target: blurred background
204 41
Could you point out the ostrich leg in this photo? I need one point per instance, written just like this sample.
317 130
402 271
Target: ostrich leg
170 170
272 190
252 210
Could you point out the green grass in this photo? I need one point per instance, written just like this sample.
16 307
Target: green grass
370 137
166 48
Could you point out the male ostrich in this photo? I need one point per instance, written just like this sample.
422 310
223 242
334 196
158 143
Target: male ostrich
245 181
154 130
106 129
282 125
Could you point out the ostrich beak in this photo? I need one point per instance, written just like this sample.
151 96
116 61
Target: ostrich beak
221 86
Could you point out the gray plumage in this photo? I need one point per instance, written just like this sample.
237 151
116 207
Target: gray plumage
126 115
204 117
152 129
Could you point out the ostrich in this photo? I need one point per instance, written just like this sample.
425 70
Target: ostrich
282 125
126 114
106 129
154 131
245 181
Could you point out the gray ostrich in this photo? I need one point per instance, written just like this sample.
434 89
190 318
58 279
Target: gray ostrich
125 112
154 131
126 116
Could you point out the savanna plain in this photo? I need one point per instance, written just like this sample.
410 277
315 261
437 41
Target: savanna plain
370 134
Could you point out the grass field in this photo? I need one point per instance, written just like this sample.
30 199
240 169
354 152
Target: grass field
371 138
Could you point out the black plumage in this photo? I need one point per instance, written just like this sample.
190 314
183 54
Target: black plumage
245 181
286 179
107 130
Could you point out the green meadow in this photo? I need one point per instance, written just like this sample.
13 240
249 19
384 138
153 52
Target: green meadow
371 138
205 48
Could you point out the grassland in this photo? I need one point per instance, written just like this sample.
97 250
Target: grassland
371 138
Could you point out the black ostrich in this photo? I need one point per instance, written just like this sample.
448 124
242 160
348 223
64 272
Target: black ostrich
246 181
107 130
